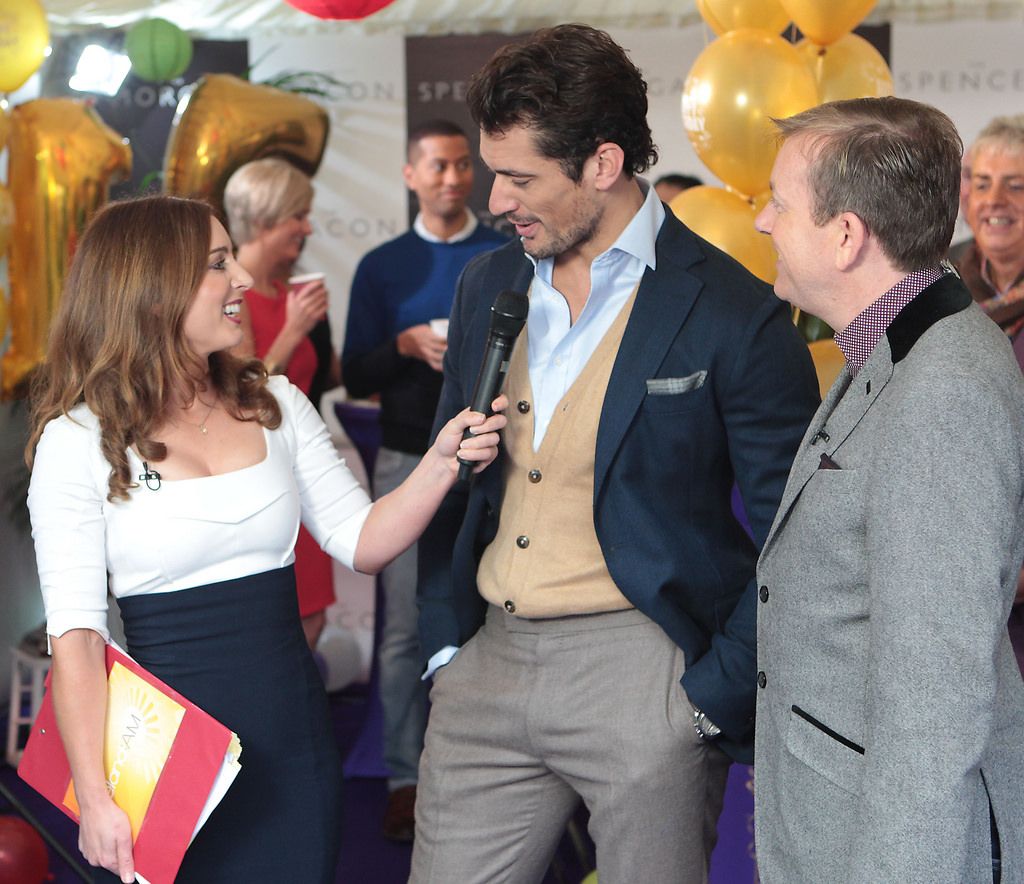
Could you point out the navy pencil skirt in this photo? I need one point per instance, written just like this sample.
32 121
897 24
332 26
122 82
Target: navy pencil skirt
236 649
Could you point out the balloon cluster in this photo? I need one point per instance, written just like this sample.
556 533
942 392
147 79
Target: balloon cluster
62 159
746 77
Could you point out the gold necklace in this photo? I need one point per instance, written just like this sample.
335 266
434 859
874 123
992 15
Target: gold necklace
201 426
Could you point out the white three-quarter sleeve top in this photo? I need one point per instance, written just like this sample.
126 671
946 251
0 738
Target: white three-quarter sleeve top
172 535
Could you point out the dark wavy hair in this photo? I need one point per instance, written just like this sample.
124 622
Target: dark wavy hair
117 342
574 88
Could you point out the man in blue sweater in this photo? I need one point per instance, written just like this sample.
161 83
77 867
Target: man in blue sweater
394 347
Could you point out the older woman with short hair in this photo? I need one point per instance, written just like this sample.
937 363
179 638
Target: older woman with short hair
267 203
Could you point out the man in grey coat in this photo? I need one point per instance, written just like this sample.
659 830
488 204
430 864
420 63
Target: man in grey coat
890 712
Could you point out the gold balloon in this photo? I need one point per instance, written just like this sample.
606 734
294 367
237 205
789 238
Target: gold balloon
726 220
825 21
63 159
828 362
709 17
736 84
730 15
3 315
227 122
24 37
6 221
849 68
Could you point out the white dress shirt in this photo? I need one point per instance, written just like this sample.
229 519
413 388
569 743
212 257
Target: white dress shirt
558 349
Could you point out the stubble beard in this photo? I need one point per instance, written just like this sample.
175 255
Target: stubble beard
580 232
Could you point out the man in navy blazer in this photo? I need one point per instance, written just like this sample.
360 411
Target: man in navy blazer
599 642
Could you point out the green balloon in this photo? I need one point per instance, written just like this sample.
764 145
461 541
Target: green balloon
158 50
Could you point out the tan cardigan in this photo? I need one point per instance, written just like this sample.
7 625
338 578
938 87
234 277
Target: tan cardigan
546 560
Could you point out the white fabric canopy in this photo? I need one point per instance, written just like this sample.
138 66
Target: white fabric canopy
243 18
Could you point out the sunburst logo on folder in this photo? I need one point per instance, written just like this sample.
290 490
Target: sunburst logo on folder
142 723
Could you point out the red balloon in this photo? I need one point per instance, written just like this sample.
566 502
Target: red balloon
340 9
23 856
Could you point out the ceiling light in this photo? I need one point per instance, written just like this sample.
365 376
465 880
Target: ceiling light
100 70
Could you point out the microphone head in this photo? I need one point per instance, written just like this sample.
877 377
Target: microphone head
508 313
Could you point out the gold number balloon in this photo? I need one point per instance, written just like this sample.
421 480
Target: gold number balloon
825 21
709 17
726 220
849 68
6 221
63 159
730 15
227 122
24 37
735 86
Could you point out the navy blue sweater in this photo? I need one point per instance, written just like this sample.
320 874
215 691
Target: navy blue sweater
405 282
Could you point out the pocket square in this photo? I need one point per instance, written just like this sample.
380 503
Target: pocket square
827 463
673 386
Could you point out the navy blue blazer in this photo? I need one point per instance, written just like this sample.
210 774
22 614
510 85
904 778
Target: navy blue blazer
665 464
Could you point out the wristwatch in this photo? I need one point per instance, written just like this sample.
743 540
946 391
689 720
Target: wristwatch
705 727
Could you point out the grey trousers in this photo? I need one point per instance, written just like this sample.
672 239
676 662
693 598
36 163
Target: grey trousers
532 716
403 695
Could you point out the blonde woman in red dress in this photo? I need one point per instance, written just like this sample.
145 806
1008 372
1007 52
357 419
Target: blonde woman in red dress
267 203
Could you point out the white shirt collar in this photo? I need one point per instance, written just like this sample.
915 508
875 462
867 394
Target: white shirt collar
465 233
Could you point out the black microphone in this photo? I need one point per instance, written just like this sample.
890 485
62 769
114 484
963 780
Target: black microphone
508 316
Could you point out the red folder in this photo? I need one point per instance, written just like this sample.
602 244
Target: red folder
190 770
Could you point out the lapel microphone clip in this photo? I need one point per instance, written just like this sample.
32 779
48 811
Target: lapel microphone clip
150 477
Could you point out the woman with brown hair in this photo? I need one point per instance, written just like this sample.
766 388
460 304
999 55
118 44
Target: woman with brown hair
180 472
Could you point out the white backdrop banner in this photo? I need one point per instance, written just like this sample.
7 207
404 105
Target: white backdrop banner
360 198
972 71
665 56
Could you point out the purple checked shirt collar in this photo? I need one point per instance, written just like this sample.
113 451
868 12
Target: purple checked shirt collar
860 337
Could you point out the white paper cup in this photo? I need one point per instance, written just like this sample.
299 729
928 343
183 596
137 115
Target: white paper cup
303 278
439 327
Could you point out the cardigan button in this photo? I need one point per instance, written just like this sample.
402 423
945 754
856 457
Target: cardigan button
534 476
510 606
763 593
523 406
762 679
522 541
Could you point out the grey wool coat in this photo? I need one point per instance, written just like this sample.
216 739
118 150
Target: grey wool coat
890 713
